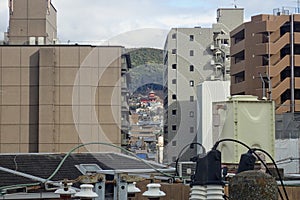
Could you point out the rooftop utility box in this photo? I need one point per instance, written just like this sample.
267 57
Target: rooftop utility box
247 119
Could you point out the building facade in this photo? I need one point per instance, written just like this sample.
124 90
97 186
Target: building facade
32 22
55 97
208 93
265 59
191 56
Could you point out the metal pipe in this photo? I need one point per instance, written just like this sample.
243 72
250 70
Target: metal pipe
269 67
136 171
292 65
35 178
289 183
264 86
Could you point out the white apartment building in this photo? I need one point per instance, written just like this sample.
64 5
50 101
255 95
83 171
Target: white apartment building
192 56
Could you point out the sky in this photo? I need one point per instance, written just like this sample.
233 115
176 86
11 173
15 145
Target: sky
138 23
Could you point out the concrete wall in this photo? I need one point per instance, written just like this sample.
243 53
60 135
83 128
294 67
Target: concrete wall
287 155
185 47
266 38
184 120
209 92
32 18
56 97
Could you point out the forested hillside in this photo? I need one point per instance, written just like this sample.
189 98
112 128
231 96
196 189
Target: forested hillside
147 69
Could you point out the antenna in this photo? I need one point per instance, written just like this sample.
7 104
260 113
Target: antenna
234 3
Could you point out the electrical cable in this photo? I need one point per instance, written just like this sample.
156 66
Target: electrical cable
107 144
226 197
69 153
277 170
179 155
251 150
230 140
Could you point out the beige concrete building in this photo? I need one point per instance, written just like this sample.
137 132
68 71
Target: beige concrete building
32 22
54 97
192 56
265 59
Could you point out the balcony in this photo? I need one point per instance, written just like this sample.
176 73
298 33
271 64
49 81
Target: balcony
238 47
261 49
237 88
280 43
237 67
279 88
280 66
284 107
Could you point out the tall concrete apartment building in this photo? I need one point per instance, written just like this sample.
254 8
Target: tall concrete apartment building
55 97
266 62
266 59
191 56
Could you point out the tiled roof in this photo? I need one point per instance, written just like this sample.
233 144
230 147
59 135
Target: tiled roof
43 165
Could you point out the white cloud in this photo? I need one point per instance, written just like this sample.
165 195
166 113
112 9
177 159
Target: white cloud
3 17
99 20
146 37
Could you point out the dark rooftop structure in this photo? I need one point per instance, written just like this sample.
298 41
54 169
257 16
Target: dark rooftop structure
43 165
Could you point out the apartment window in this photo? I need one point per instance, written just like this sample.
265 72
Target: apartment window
173 81
174 143
191 37
174 36
174 96
174 112
239 36
239 57
174 127
191 98
192 83
192 129
192 114
173 51
191 52
191 68
240 77
174 66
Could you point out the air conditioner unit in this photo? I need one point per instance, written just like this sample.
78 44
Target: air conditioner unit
212 62
41 40
186 169
224 46
32 41
218 67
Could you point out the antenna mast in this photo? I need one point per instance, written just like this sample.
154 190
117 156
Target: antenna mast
234 3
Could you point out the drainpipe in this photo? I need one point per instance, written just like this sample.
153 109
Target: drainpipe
269 67
264 87
292 66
